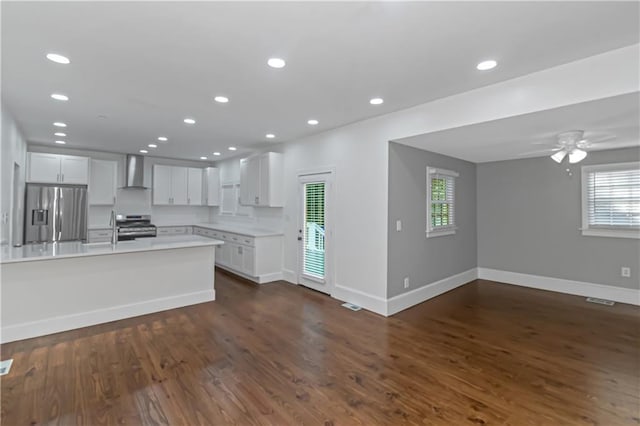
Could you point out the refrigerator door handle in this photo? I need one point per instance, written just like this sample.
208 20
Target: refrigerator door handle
59 213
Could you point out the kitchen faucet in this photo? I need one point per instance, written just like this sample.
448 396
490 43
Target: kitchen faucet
114 228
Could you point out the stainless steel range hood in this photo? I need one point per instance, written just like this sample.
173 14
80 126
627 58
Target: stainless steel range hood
135 172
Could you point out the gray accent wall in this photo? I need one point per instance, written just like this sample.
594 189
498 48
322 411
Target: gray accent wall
529 215
410 253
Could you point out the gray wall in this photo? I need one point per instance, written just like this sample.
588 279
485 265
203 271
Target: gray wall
411 254
529 212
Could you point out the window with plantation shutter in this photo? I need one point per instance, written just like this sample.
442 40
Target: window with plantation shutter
441 185
611 200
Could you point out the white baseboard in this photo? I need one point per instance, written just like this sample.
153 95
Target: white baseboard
411 298
261 279
290 276
84 319
367 301
578 288
268 278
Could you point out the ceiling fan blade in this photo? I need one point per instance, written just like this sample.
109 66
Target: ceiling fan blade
612 145
543 151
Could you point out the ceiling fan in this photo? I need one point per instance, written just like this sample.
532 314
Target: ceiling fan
571 144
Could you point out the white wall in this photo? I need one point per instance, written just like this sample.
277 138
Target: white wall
359 154
13 152
136 201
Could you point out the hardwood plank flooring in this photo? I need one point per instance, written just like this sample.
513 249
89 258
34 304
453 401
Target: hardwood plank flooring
279 354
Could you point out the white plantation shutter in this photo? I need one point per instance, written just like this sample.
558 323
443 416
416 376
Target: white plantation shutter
441 186
611 197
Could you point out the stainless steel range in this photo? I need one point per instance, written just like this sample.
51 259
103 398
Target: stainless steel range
135 226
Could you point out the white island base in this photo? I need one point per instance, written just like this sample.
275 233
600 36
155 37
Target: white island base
49 294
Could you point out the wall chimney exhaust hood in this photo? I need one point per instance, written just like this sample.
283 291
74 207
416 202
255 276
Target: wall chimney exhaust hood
134 178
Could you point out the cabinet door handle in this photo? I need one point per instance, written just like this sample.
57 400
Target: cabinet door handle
63 177
114 199
58 177
256 200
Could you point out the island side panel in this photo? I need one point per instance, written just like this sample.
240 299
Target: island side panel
50 296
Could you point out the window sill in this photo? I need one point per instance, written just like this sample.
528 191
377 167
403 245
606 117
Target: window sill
442 233
612 233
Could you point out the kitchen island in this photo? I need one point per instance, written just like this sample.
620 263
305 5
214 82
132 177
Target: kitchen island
53 287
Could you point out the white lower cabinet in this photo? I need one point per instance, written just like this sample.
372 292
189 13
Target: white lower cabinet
173 230
256 258
99 235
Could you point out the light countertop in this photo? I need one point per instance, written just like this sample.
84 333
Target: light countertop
49 251
248 230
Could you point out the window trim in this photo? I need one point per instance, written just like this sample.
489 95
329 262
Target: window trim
584 204
440 231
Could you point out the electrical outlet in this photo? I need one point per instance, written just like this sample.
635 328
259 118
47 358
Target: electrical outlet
398 225
625 272
406 282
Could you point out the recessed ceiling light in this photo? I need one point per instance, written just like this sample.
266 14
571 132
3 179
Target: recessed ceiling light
312 122
232 148
221 99
60 142
162 139
189 121
62 135
152 145
216 153
59 97
486 65
269 136
58 58
276 63
203 158
144 151
376 101
59 124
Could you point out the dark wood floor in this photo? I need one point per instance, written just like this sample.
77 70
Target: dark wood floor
279 354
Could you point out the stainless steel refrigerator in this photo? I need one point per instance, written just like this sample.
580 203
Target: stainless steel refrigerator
55 213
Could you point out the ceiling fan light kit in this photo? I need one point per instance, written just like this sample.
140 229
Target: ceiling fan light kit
571 143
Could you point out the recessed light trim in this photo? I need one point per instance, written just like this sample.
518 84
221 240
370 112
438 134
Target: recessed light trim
276 62
144 151
217 154
203 158
269 136
163 138
189 121
60 142
59 124
221 99
59 97
232 148
313 122
152 145
57 58
60 134
486 65
376 101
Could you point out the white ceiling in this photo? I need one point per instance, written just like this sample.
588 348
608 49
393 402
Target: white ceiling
147 65
615 119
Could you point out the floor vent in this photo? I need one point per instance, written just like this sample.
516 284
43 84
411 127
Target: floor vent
5 366
601 301
351 306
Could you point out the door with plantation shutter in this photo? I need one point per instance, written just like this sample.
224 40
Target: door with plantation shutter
312 232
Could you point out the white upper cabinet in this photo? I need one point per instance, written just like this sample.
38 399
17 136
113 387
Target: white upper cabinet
261 180
161 184
194 186
212 186
178 186
103 182
56 168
